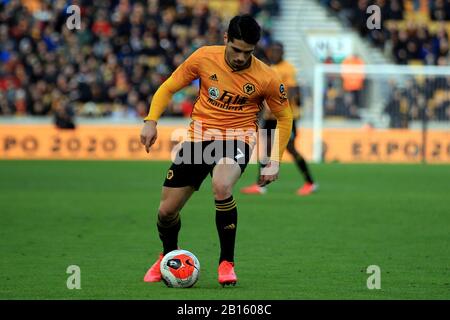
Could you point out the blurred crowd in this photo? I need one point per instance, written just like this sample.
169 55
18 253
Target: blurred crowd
419 99
125 49
412 32
111 66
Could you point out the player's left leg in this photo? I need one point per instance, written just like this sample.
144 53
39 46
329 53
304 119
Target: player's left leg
224 177
225 174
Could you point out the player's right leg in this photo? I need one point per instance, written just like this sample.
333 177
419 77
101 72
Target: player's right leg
183 178
169 224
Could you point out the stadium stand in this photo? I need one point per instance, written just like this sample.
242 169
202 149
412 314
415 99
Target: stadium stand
414 32
110 67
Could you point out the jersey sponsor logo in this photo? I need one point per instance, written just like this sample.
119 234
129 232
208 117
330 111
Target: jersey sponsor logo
249 88
213 77
224 106
228 101
213 92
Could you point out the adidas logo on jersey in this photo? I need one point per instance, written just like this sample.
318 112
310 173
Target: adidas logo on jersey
214 77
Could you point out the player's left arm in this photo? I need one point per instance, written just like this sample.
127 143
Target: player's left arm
276 99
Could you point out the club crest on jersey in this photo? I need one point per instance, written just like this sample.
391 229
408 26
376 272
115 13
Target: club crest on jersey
249 88
213 93
283 93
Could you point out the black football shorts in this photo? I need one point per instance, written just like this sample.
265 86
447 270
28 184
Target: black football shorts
195 160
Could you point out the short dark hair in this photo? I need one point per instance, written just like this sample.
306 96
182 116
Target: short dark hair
244 28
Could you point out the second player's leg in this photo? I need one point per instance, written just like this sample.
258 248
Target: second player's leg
300 162
264 148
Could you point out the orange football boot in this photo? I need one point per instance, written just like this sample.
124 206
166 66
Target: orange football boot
253 189
226 273
307 189
154 273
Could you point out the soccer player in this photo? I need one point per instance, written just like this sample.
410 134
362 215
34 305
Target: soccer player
233 86
287 73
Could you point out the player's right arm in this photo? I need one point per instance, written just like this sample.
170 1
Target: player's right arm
160 100
180 78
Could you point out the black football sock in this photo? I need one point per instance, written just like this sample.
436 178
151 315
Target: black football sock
168 232
226 223
303 167
260 166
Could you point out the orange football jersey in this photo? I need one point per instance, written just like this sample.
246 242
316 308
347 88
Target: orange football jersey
229 99
287 73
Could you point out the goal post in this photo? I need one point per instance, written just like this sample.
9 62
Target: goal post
405 97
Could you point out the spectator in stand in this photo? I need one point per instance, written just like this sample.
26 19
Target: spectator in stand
64 113
439 10
353 83
395 10
397 108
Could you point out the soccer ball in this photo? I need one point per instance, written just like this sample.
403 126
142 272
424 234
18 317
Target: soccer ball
180 269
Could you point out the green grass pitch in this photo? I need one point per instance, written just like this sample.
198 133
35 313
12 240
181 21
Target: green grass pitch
101 216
